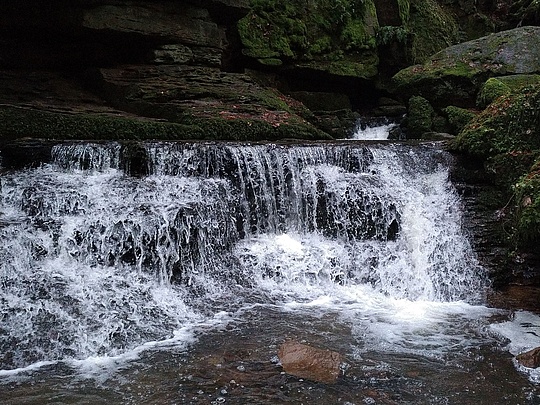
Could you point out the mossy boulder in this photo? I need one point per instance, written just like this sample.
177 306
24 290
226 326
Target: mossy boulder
510 123
432 28
458 118
420 118
495 87
527 192
284 32
17 122
454 75
506 138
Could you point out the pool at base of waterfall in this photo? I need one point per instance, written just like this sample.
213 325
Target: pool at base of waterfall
180 286
448 360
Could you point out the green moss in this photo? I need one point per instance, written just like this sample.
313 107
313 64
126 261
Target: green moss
255 130
506 135
355 36
507 168
528 210
502 85
404 7
491 90
321 46
299 30
433 29
353 69
437 81
390 34
510 123
420 117
22 122
458 118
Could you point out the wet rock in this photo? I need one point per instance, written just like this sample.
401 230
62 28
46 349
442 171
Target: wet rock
172 21
454 75
530 359
310 362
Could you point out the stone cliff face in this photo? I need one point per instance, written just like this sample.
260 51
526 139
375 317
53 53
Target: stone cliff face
180 63
170 62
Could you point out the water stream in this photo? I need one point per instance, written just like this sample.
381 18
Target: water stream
178 286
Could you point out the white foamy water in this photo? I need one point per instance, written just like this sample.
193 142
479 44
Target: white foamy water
373 132
98 266
522 332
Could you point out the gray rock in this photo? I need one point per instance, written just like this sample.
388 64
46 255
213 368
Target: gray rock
454 75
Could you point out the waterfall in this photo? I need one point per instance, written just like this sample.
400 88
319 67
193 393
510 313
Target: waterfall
103 252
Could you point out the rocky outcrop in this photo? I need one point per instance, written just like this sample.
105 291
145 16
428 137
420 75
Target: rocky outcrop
180 62
134 69
503 141
455 75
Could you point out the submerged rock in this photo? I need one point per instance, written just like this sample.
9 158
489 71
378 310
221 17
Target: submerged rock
530 359
310 362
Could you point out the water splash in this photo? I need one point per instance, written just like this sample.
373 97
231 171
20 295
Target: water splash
96 262
373 131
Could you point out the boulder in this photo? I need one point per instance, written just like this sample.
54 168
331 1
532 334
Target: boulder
530 359
310 362
454 75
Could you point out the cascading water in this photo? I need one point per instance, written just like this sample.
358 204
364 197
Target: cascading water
97 264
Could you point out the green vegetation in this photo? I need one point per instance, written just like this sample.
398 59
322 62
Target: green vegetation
306 30
22 122
511 122
506 136
420 119
490 91
527 192
432 29
458 118
502 85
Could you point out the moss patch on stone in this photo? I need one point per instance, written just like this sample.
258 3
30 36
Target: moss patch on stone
528 209
510 123
16 122
506 137
433 28
498 86
420 118
256 130
490 91
313 30
458 118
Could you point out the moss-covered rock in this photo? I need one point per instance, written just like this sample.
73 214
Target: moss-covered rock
16 122
510 123
420 118
490 91
528 210
458 118
455 75
323 31
432 28
498 86
506 137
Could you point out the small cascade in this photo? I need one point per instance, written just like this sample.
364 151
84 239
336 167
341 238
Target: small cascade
373 130
110 246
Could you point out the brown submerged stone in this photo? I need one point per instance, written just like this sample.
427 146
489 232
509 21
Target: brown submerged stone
530 359
310 362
